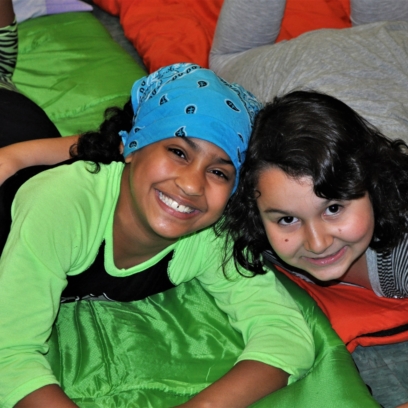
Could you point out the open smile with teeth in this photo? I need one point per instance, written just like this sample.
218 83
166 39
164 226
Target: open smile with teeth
174 204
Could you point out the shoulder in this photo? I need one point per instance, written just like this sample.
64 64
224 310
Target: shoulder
68 180
202 243
68 191
196 253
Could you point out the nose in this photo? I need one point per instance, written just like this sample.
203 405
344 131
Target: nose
191 181
317 237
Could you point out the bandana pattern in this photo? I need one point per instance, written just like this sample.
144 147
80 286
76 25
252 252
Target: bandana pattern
185 100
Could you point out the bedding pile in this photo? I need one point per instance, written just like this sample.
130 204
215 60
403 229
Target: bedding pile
70 66
164 32
160 351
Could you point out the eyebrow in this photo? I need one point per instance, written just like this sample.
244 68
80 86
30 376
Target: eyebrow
197 148
220 160
277 210
193 145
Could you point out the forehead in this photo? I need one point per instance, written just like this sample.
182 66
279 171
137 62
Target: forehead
280 191
274 178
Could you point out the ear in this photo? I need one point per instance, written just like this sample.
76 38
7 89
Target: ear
129 157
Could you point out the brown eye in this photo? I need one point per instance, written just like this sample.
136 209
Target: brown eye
333 209
220 174
287 220
178 152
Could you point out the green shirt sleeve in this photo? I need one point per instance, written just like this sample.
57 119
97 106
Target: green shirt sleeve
59 219
272 326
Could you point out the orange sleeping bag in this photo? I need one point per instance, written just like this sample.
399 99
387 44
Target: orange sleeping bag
359 316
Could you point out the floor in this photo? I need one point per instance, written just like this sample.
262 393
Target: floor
383 368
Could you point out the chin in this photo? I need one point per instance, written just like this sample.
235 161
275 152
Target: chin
326 279
327 276
170 236
173 235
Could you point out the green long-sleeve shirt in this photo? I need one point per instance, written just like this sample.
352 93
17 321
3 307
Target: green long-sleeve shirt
60 219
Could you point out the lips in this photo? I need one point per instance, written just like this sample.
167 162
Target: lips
328 260
174 204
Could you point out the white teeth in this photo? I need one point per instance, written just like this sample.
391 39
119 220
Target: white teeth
174 204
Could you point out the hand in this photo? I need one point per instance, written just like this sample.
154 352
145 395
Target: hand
403 405
247 382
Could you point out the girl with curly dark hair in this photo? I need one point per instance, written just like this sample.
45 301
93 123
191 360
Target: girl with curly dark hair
323 193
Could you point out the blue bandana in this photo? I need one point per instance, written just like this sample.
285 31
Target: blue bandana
185 100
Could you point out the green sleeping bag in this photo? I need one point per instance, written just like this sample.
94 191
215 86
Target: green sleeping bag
70 66
160 351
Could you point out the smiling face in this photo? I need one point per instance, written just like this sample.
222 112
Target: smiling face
175 187
322 237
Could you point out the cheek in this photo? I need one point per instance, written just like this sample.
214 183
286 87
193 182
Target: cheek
217 200
145 172
283 246
162 169
361 230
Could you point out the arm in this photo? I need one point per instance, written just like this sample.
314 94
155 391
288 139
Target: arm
6 13
279 346
39 252
247 382
34 152
48 396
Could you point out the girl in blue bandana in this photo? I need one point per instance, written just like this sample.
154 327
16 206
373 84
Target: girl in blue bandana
132 218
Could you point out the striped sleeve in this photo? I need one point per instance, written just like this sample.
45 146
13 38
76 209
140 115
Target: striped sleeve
393 271
8 54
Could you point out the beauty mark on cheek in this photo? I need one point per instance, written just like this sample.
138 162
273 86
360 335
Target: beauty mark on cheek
286 240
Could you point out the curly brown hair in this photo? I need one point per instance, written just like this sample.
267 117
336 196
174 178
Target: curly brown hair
312 134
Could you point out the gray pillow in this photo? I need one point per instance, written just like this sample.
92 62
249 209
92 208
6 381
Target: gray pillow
365 67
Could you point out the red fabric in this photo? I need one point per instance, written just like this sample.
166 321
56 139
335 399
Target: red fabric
168 31
302 16
354 312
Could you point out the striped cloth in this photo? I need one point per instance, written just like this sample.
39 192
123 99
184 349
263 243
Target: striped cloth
8 55
393 271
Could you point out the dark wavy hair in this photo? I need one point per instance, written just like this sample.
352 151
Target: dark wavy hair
103 145
315 135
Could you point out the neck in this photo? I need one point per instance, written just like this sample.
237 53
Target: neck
133 243
358 273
